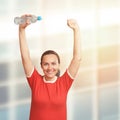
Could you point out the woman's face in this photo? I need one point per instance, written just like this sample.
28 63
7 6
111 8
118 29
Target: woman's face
50 66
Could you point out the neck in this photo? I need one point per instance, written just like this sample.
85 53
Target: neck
51 80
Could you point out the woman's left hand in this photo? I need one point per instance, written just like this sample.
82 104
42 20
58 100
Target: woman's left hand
72 23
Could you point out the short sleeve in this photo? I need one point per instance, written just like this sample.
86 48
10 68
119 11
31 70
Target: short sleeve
34 78
66 80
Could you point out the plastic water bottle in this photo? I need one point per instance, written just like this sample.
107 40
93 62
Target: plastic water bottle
22 20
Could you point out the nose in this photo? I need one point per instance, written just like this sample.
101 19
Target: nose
49 66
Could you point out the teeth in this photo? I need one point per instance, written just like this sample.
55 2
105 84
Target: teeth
50 72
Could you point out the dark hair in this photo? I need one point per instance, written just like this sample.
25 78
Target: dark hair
48 52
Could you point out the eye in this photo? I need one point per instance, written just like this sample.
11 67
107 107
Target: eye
53 63
45 64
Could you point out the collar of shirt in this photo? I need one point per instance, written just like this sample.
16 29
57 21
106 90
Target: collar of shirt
50 81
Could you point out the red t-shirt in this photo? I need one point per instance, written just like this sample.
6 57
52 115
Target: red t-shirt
49 99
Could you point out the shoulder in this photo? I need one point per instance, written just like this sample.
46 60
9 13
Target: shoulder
66 80
67 75
34 72
34 78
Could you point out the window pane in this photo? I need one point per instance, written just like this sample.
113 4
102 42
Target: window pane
22 91
108 74
108 35
4 95
80 106
22 112
4 71
84 79
108 54
4 114
109 103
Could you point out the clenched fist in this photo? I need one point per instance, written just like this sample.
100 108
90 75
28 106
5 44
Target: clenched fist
72 23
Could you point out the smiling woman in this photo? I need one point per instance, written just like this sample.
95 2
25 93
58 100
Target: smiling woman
50 63
95 92
49 91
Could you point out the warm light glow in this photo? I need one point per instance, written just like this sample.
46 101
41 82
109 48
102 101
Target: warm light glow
95 91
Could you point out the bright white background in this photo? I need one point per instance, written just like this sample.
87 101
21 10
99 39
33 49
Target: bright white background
96 90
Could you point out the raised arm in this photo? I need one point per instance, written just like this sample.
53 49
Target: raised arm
25 55
75 62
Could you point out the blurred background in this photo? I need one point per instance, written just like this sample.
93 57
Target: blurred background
95 94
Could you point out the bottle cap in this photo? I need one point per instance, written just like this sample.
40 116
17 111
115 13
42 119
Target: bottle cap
39 18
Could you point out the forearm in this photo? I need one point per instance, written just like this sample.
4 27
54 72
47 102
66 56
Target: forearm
25 55
77 44
76 60
23 45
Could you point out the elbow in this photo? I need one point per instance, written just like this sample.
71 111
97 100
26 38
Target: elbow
77 58
77 55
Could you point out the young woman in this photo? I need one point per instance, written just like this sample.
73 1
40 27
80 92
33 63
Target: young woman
49 91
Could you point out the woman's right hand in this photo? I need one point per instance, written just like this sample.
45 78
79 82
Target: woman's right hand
23 26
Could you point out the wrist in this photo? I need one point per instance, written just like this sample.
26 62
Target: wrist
76 29
21 28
